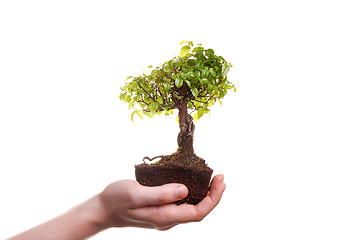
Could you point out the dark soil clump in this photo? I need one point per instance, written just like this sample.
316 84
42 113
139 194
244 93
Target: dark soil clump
179 167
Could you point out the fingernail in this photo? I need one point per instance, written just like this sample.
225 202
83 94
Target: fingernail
181 191
222 177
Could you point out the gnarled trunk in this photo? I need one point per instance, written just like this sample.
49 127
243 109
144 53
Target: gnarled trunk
185 136
183 166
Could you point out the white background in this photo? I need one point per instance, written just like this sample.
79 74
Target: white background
287 141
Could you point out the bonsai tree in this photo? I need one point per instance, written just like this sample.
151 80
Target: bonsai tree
192 82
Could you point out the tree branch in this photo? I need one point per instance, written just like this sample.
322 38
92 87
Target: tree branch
143 102
174 67
153 99
194 105
210 97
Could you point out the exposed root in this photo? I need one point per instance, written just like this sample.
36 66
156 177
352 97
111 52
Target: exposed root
151 159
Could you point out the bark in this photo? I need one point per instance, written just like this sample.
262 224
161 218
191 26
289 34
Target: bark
185 136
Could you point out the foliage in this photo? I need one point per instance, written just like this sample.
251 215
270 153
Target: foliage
197 77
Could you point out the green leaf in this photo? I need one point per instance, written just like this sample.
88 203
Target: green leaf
225 70
169 112
159 112
196 49
139 113
195 116
203 80
199 55
153 107
210 87
212 72
128 98
204 72
167 87
167 69
194 92
197 73
210 52
228 86
179 82
190 72
130 103
150 115
188 83
224 92
133 113
221 93
210 103
123 97
184 51
200 112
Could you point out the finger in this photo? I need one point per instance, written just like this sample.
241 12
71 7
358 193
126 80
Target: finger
211 201
168 193
160 216
171 214
216 180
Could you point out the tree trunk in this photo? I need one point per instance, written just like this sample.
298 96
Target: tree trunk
185 136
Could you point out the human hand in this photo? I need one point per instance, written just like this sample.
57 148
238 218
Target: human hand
126 203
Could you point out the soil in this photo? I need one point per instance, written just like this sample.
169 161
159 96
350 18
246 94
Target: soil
180 167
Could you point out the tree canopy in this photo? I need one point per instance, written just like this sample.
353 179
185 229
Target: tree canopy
196 77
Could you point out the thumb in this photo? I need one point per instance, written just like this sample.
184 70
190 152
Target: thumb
159 195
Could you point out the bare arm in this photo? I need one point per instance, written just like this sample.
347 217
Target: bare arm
80 222
126 203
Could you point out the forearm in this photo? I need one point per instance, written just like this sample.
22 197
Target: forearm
80 222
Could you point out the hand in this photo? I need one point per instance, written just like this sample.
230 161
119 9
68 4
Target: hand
126 203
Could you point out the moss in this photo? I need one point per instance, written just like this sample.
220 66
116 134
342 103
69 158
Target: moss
181 158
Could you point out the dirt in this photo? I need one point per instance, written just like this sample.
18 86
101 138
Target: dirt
180 167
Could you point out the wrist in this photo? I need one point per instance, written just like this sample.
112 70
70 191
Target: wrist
97 215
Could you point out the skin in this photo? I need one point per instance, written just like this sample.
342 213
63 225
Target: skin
126 203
